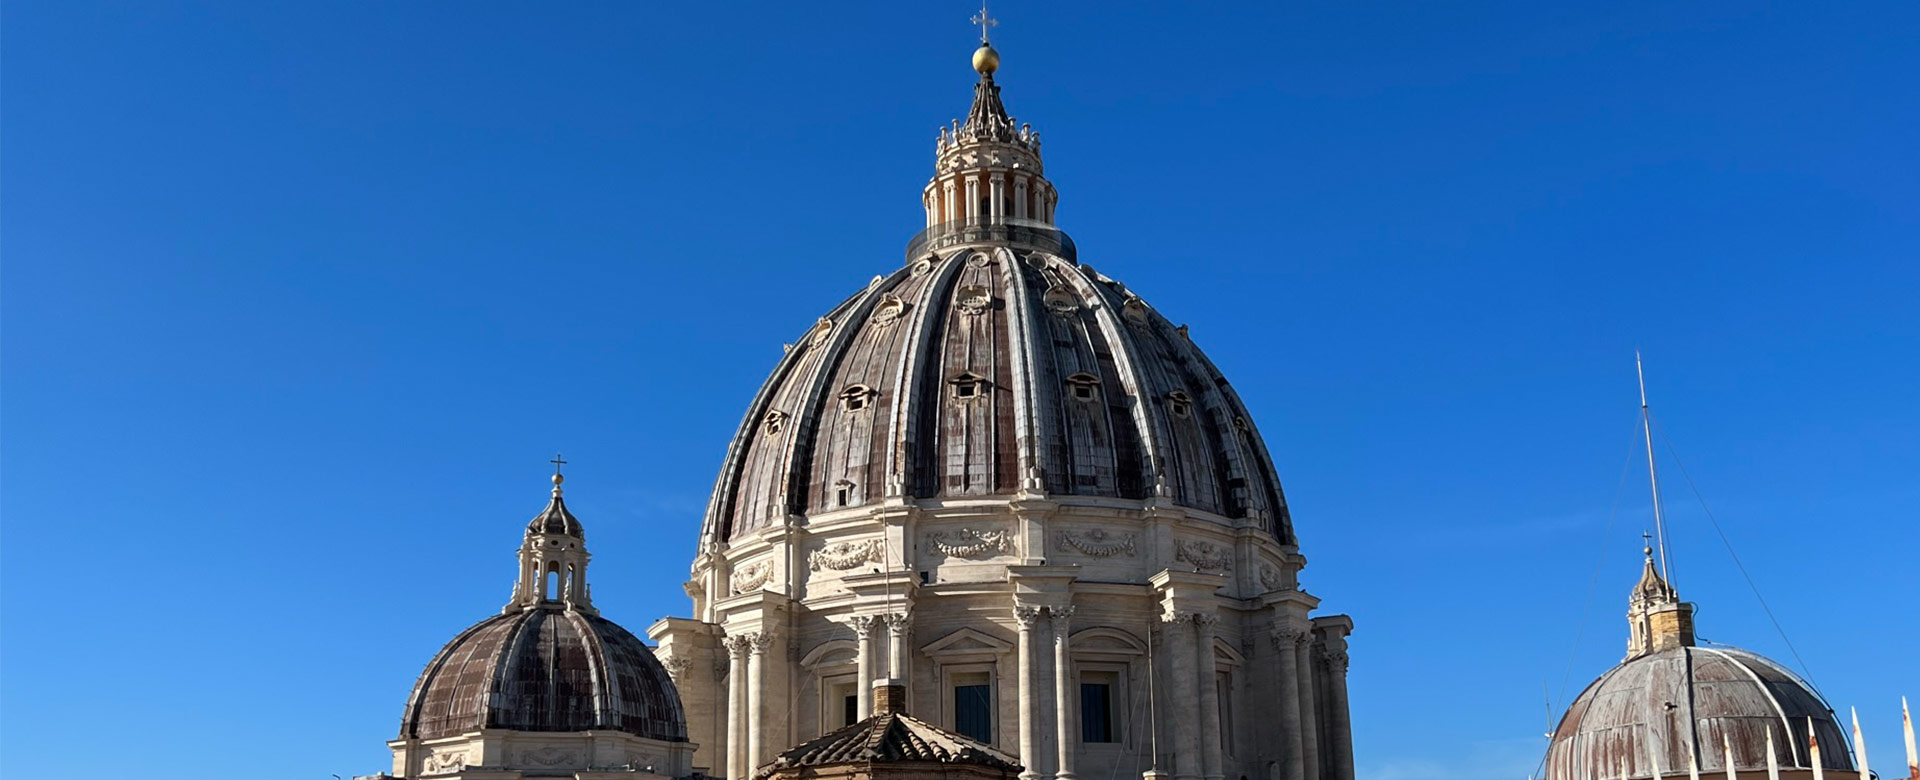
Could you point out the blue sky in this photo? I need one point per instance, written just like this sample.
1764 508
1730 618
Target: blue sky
299 299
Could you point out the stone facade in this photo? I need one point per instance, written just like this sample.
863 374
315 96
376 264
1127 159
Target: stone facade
1003 479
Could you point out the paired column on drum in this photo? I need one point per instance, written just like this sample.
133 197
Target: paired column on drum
873 661
1287 637
1027 619
1065 694
1332 653
739 655
1188 613
866 638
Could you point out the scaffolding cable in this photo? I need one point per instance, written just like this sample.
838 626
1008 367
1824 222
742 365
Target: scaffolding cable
1806 674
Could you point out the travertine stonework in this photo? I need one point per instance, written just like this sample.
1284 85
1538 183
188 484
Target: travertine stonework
996 466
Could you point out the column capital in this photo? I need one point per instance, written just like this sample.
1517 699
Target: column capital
1178 616
863 624
740 644
897 622
1334 658
1027 615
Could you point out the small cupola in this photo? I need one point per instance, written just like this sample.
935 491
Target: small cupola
1656 617
553 558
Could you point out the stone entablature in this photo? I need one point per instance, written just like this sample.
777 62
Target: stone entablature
975 540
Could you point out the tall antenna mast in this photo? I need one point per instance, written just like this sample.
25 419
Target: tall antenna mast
1653 475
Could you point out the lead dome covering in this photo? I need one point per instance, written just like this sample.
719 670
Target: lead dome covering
990 371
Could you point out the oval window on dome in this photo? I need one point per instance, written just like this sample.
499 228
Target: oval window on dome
1061 301
975 299
888 309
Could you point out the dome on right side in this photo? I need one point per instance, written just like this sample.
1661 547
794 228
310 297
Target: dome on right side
1674 708
1694 701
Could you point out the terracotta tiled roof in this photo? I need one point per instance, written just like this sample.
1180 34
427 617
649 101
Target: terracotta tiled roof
890 737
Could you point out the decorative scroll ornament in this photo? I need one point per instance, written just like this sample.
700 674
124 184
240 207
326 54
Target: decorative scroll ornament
842 556
1270 577
549 756
639 760
979 260
968 543
1061 301
445 763
750 577
1203 555
1098 543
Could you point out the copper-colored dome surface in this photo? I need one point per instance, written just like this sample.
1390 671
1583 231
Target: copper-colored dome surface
545 669
1688 696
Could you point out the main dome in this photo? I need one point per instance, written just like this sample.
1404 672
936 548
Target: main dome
993 364
987 371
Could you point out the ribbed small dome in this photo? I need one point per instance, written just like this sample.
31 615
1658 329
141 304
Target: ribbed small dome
1693 695
545 669
555 519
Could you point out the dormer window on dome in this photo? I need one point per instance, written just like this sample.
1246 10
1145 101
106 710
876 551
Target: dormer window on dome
1083 386
968 385
856 398
775 422
1180 404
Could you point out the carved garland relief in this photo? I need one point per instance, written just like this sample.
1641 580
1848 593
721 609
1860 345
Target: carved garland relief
1203 555
970 543
445 763
1098 543
842 556
750 577
549 756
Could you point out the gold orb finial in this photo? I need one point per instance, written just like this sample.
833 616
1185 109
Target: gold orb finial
986 60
